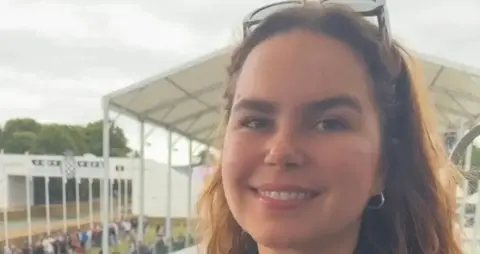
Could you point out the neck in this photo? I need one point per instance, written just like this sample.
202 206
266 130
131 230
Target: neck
343 243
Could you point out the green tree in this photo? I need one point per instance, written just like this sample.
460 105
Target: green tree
77 133
25 134
474 173
134 154
1 138
16 133
476 157
53 139
20 124
19 142
118 141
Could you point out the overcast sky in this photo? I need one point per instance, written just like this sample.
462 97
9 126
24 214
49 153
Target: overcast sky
58 57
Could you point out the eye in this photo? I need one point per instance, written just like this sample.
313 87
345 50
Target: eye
256 123
331 125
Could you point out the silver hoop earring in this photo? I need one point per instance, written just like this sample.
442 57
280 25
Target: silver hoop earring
380 204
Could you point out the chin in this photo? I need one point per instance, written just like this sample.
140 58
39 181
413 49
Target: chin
280 239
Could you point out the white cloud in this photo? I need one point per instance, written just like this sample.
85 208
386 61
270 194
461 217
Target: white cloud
444 28
17 99
450 13
136 27
52 20
36 84
128 24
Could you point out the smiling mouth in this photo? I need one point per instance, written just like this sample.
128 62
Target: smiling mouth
287 195
284 198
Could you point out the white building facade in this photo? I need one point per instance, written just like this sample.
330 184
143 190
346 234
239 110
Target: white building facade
15 168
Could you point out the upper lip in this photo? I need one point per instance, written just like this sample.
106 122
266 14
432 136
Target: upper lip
284 187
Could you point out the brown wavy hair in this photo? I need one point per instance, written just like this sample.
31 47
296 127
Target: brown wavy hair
419 212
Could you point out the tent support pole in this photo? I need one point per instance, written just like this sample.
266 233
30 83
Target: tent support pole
106 175
168 219
189 199
141 197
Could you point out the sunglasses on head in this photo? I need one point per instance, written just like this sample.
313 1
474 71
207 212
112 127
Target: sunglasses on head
373 10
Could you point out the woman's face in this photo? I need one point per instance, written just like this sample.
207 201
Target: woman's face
302 145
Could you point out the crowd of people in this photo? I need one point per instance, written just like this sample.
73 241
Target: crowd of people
89 240
60 243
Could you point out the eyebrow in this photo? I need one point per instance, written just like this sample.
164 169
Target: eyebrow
267 107
335 102
255 105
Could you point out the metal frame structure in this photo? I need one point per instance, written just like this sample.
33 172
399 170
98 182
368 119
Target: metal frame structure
187 100
188 105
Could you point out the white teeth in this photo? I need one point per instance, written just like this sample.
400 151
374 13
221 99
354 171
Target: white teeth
286 195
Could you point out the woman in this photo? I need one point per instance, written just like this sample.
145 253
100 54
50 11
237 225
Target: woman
328 145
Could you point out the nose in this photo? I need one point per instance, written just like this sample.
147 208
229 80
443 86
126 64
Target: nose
283 151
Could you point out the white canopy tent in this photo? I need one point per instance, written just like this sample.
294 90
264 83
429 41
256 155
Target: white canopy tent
455 90
188 100
184 100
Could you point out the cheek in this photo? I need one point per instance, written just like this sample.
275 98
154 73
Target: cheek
350 165
237 166
237 158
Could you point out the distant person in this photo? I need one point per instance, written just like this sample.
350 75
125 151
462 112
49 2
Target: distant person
179 243
62 245
96 238
112 235
26 247
83 239
143 248
47 244
132 247
7 250
38 248
134 223
160 246
126 227
69 241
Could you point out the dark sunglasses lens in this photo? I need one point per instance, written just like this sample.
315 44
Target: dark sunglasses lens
364 7
360 6
261 14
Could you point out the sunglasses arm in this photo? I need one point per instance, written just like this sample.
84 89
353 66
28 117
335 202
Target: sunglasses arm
387 27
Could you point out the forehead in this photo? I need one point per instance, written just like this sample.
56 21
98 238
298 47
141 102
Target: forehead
300 66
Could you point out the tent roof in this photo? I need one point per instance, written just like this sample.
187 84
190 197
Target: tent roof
455 90
188 99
